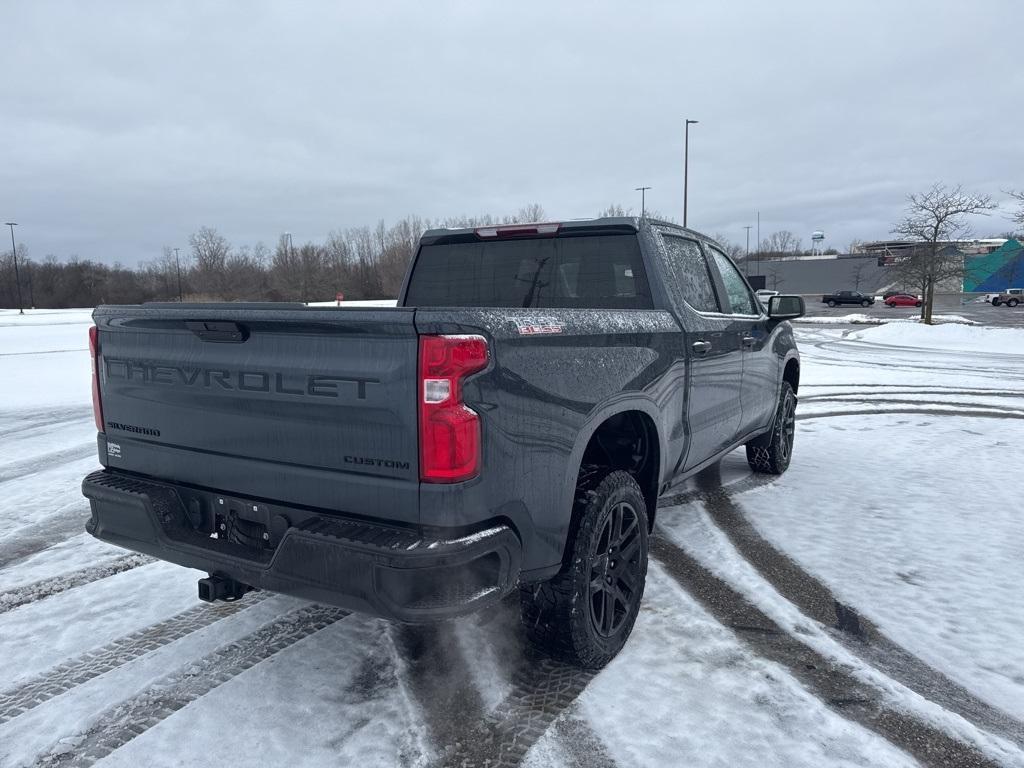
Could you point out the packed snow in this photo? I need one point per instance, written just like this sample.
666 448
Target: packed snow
860 318
906 435
1008 341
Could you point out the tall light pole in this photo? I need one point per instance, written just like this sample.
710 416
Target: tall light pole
686 168
747 259
759 242
177 266
643 200
14 255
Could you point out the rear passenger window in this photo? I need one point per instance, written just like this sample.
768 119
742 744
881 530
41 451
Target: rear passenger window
741 301
690 278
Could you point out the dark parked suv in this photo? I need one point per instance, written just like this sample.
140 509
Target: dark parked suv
847 297
509 426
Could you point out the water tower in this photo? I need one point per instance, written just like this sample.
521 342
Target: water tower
817 238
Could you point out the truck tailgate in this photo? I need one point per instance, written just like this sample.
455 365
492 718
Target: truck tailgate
313 406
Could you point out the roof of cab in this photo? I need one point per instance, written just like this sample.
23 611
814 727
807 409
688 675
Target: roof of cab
633 223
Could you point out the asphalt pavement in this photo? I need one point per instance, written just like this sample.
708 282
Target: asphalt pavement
978 311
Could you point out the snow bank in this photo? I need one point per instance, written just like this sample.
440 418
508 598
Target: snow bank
860 318
956 337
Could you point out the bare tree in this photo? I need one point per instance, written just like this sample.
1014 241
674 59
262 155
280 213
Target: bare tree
615 210
857 273
935 220
527 215
210 252
1018 217
779 244
735 251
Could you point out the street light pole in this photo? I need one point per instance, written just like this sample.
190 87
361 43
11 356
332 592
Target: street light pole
759 242
177 266
686 168
14 255
747 259
643 200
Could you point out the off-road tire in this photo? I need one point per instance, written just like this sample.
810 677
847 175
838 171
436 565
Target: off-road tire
560 616
831 303
770 453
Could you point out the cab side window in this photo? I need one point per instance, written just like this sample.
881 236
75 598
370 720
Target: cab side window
691 280
740 299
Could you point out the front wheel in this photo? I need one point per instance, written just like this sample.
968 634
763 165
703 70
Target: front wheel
770 453
995 302
1012 303
865 303
585 614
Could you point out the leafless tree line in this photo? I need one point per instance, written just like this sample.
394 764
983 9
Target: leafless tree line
370 262
360 262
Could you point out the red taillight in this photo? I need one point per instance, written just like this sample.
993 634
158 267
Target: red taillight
449 430
97 409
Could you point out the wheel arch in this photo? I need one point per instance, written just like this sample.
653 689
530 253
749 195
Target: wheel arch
602 445
791 373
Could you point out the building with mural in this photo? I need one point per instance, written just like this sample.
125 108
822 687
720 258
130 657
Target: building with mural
995 271
990 265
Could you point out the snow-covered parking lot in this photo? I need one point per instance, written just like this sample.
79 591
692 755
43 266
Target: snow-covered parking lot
862 610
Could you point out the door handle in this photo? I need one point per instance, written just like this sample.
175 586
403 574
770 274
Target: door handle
702 347
748 341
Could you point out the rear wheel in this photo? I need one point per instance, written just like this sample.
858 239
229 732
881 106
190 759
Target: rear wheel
831 303
917 303
995 302
585 614
865 303
770 453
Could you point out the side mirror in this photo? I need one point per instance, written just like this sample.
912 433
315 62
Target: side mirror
786 307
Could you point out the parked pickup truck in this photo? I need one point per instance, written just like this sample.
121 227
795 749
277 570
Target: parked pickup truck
508 426
847 297
1011 297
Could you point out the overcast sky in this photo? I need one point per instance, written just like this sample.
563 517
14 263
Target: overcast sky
124 127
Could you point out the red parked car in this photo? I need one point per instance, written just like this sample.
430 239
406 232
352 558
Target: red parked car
903 300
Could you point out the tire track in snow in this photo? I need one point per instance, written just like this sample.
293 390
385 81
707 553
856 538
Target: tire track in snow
436 673
439 676
133 717
869 399
858 634
33 420
39 590
581 747
893 389
33 466
42 535
542 689
924 411
831 683
121 651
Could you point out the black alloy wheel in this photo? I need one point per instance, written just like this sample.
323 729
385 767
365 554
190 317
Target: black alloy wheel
615 571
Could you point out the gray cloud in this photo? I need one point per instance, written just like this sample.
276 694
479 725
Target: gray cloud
126 126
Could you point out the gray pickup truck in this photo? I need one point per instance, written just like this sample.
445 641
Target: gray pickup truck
508 426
